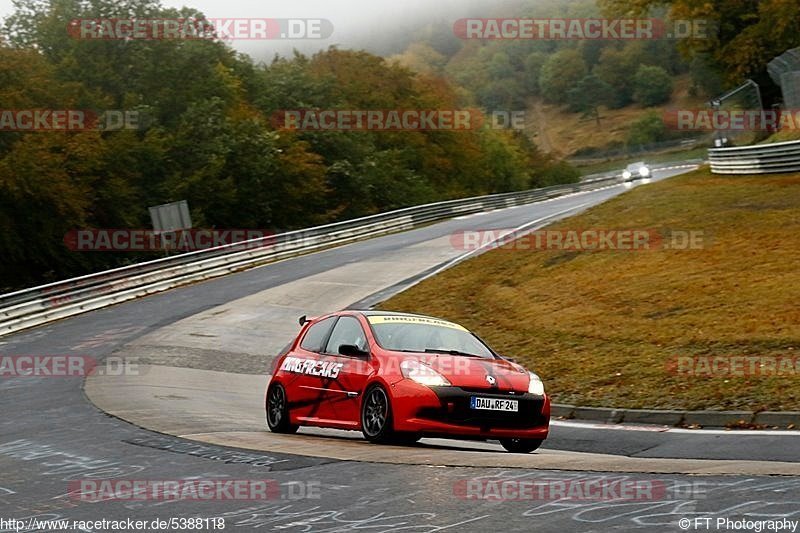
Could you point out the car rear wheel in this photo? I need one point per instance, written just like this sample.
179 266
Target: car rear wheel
521 445
278 410
376 416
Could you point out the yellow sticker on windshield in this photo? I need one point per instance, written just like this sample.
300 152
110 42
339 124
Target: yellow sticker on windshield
402 319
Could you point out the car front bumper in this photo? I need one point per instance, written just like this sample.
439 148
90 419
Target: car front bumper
445 411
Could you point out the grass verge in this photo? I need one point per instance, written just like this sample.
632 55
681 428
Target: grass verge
604 328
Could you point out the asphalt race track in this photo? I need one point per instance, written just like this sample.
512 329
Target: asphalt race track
226 330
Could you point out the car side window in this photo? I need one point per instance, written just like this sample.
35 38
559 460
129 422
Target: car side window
348 330
316 335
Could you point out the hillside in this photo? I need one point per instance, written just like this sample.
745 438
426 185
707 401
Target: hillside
611 327
554 129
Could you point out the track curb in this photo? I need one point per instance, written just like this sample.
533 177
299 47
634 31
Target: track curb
700 419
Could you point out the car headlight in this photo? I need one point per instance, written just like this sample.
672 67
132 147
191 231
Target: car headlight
535 386
626 174
644 172
422 374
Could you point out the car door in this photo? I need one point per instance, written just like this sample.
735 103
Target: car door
343 393
301 386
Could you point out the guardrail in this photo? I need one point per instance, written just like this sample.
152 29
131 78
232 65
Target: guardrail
46 303
756 159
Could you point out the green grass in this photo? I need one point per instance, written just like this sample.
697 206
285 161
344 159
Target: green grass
601 327
782 136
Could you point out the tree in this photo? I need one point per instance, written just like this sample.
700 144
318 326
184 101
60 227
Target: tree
422 58
739 37
590 51
561 73
533 67
209 138
652 86
500 66
590 93
502 95
647 130
705 77
616 67
506 160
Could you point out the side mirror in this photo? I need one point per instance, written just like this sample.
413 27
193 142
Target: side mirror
302 320
351 350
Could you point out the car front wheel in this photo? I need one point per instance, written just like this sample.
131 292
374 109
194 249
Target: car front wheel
376 415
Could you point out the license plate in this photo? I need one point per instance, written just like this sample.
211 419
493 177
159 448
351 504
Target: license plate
494 404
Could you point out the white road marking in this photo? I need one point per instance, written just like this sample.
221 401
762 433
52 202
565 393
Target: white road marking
513 232
472 215
668 429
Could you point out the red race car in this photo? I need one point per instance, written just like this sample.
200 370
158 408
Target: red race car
398 377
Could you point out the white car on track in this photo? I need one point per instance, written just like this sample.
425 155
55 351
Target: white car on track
636 171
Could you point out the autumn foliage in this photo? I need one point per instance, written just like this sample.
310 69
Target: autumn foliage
208 139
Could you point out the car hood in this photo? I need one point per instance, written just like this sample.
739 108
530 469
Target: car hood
475 373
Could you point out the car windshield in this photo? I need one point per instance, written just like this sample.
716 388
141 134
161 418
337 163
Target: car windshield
423 334
636 166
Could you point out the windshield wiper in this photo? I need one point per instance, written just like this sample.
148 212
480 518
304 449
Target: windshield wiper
452 352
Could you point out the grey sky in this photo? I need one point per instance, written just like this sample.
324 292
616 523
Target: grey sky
356 22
